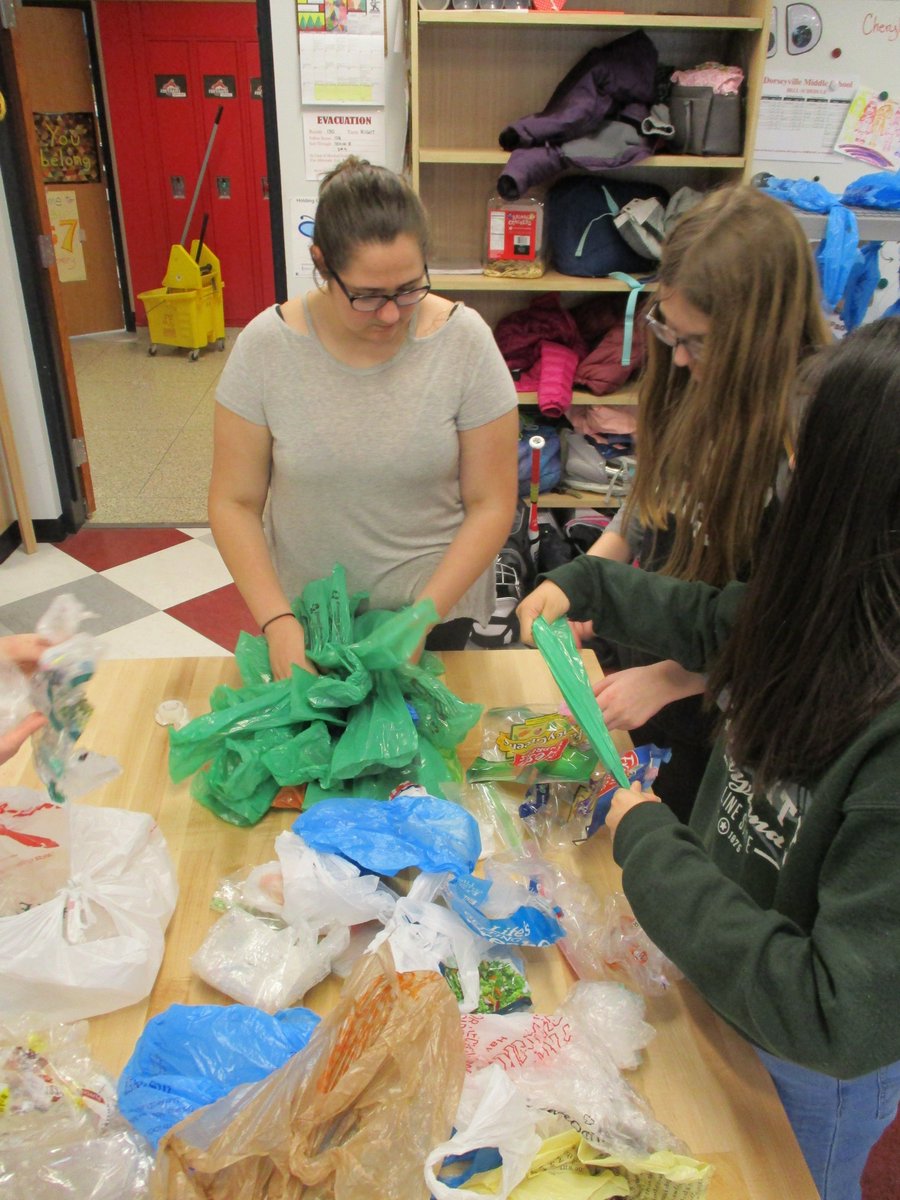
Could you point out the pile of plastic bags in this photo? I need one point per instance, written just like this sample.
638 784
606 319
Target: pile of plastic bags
370 723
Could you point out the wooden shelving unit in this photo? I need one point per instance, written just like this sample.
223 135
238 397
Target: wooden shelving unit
474 71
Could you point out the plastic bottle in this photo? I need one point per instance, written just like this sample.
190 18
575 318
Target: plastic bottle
514 238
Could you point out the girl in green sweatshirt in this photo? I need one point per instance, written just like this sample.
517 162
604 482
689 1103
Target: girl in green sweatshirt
781 900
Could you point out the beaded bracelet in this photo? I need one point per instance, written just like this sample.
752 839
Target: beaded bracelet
277 617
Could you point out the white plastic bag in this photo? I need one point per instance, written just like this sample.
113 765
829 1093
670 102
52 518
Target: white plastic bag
263 962
492 1112
34 849
423 935
97 945
324 889
568 1062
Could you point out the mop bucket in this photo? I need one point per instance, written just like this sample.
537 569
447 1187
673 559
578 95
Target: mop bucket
187 311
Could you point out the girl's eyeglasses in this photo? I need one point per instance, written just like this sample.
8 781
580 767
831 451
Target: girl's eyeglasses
693 344
404 299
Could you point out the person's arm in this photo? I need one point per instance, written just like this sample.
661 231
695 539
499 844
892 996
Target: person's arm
671 618
488 473
824 997
242 457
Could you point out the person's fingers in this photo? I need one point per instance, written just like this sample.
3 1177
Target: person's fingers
14 738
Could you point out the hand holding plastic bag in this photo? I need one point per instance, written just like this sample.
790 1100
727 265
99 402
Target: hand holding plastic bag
557 646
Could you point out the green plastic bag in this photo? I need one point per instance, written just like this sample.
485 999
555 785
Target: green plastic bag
367 724
558 649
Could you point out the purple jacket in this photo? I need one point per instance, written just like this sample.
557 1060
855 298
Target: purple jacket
612 86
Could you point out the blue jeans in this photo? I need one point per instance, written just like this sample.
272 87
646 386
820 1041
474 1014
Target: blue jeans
836 1121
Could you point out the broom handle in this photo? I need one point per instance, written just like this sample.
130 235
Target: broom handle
209 146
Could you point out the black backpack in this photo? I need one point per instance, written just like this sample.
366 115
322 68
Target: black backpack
582 236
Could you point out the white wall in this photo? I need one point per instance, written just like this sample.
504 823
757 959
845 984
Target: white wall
20 384
866 33
294 183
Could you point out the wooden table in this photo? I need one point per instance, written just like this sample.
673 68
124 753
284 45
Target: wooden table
704 1082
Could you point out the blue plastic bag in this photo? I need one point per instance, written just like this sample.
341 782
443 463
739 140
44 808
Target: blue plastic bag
838 252
191 1055
408 831
526 926
881 190
861 285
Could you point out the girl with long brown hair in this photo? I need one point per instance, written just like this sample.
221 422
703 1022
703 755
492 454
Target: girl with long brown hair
735 314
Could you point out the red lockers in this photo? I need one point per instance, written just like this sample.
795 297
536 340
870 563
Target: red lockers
168 67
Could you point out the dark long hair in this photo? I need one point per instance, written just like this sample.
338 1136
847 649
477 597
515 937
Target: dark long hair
816 653
361 203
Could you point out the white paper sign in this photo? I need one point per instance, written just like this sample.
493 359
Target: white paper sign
341 70
329 135
801 116
303 216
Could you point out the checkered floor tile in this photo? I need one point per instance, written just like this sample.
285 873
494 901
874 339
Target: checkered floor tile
153 592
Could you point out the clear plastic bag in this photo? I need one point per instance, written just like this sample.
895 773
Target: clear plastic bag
531 743
625 949
60 1136
568 1063
264 962
353 1115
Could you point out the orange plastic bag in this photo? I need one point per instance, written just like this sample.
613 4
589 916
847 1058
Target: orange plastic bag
352 1116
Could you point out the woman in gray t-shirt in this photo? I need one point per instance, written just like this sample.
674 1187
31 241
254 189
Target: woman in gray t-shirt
376 419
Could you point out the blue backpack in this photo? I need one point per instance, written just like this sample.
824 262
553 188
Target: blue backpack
582 234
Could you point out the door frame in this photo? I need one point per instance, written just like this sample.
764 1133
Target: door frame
86 9
30 227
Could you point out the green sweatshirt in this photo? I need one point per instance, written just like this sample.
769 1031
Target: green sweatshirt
783 909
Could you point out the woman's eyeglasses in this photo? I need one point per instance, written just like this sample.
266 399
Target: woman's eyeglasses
366 303
693 344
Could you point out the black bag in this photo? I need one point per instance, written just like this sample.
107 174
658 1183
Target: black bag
705 122
581 230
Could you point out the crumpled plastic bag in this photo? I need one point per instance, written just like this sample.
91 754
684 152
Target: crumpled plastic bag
369 723
97 945
263 962
353 1115
568 1062
424 936
60 1134
191 1055
880 190
411 830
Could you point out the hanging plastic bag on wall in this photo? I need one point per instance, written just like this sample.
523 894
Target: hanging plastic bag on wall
383 1069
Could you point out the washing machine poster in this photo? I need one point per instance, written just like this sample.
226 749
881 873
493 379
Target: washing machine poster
830 95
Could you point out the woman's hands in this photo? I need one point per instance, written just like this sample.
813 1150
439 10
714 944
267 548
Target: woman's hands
287 646
624 801
547 601
24 650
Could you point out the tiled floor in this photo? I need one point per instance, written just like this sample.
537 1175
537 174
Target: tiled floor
154 593
148 427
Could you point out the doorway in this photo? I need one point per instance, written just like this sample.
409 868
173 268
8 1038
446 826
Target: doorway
147 420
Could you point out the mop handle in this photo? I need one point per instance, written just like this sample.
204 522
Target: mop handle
537 444
209 146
